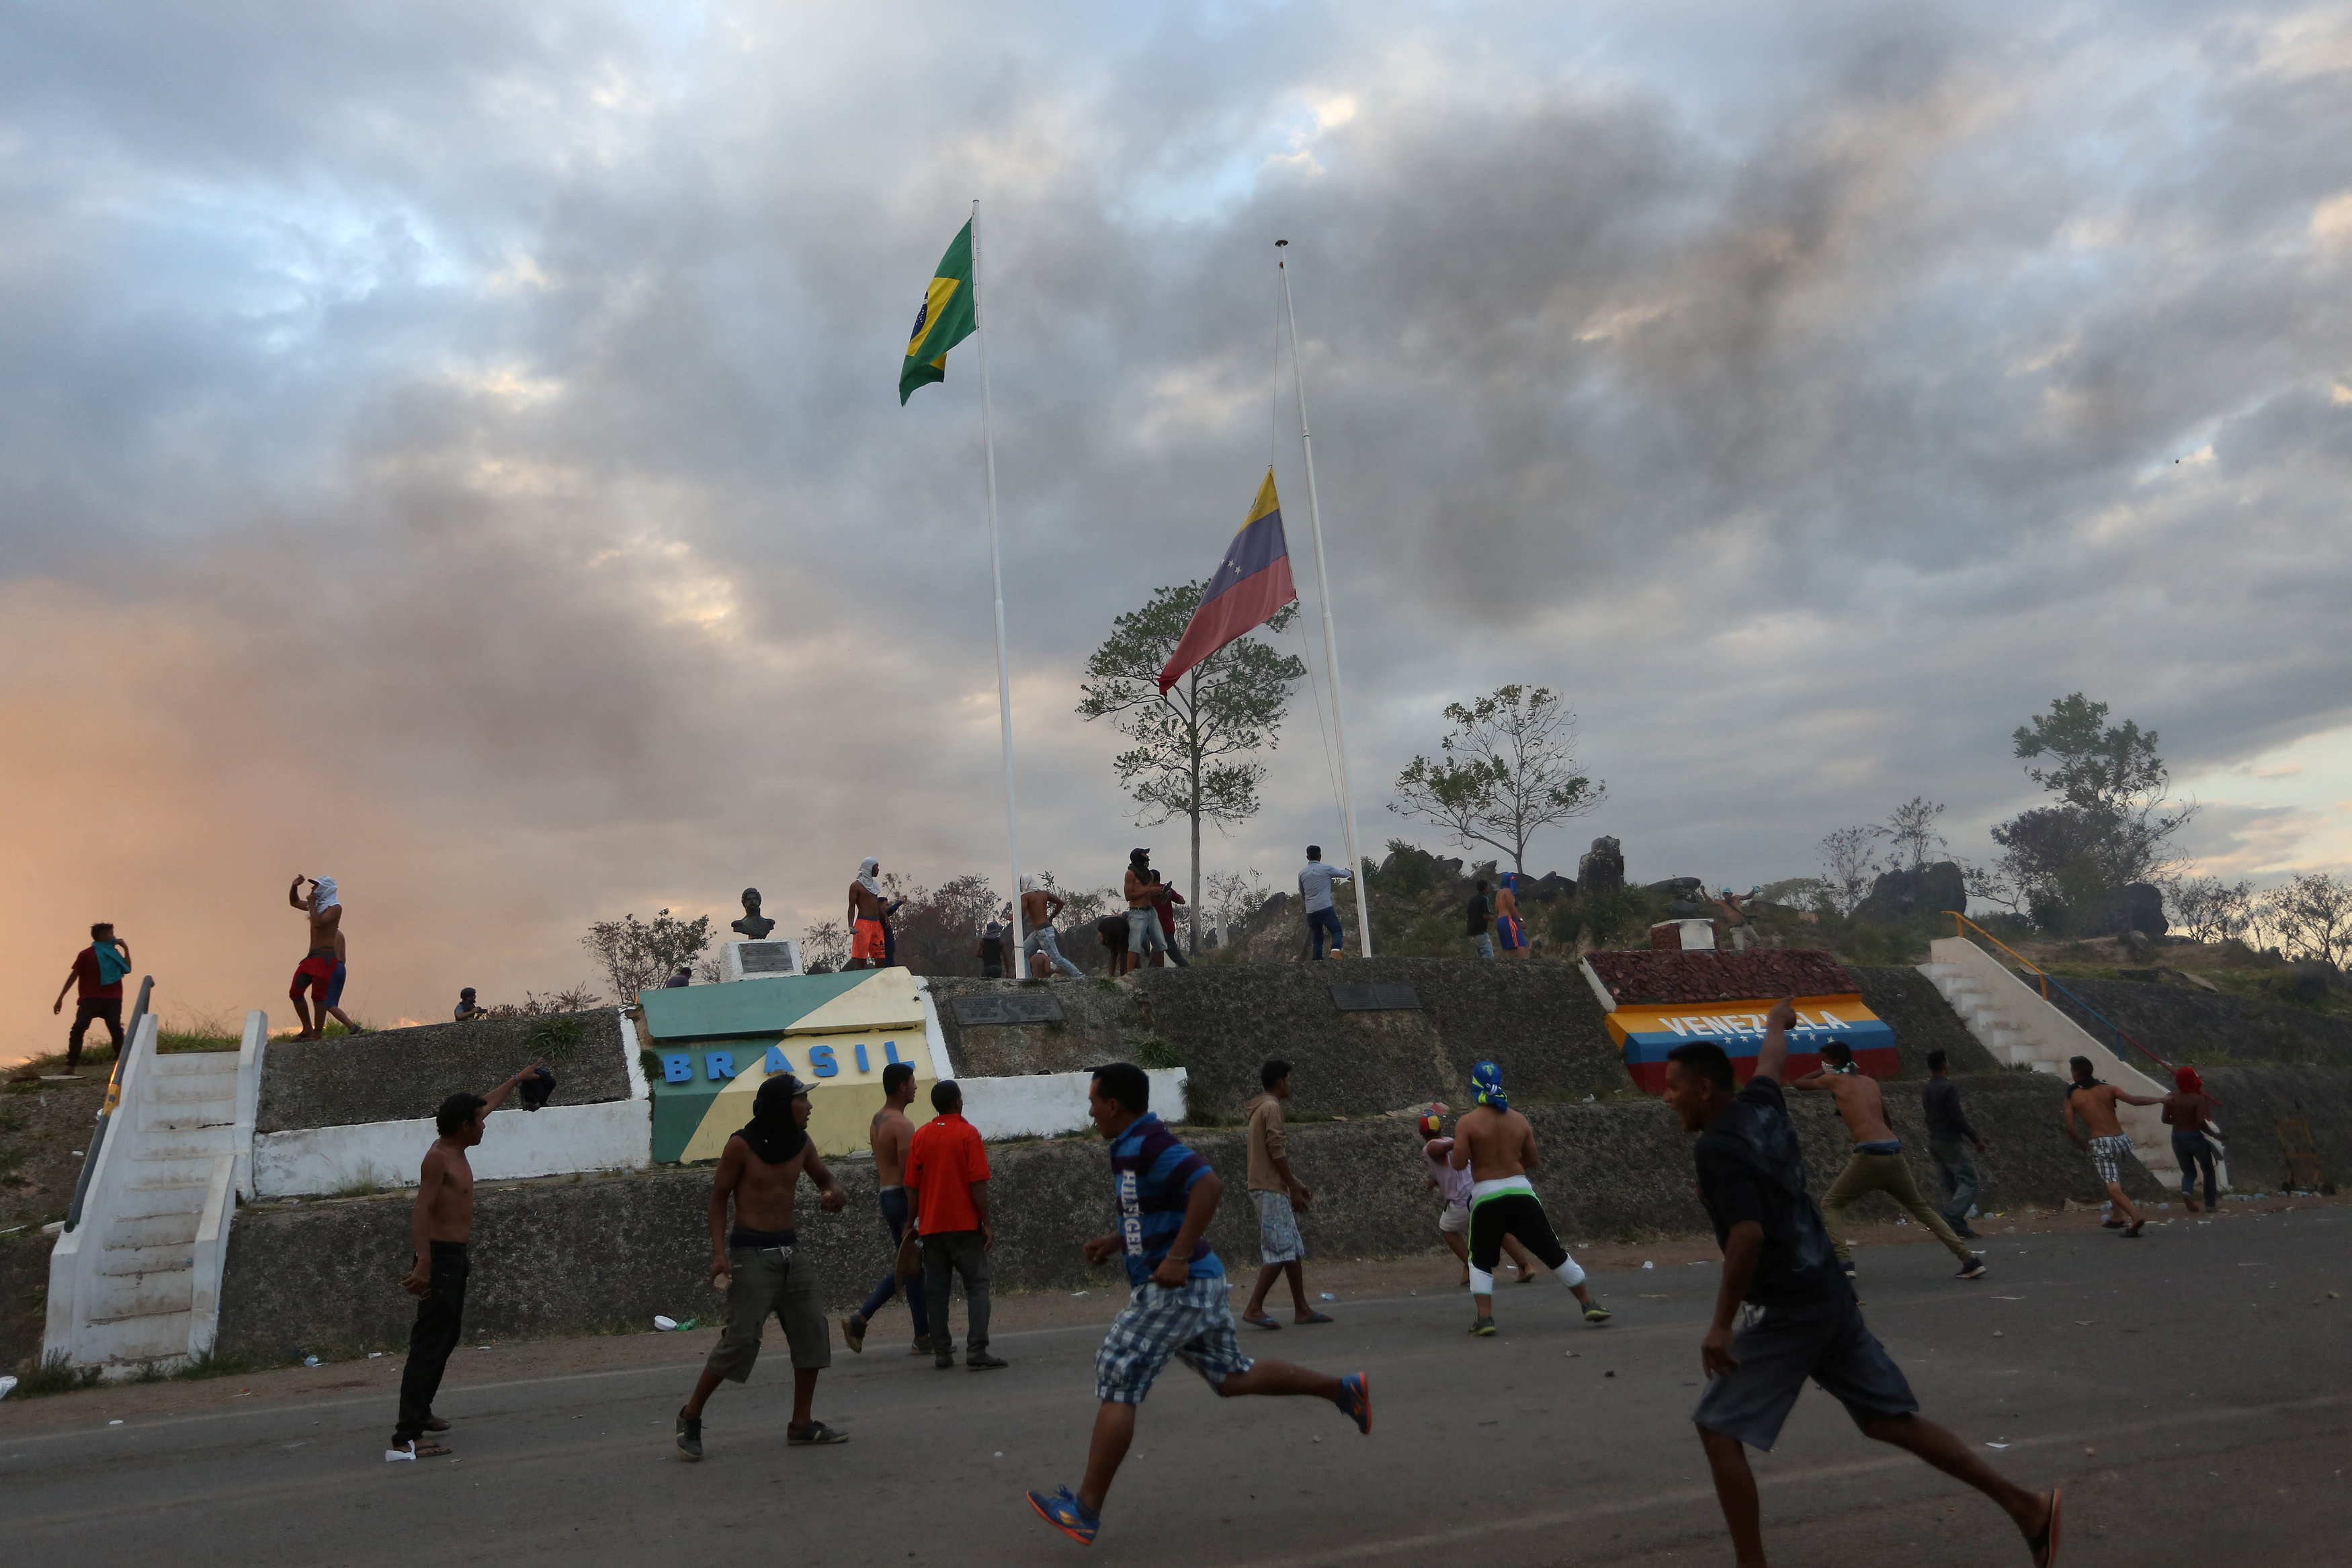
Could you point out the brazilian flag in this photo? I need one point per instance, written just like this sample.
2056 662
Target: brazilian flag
946 318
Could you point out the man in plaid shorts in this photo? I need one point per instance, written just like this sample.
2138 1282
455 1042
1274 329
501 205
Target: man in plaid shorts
2104 1139
1165 1196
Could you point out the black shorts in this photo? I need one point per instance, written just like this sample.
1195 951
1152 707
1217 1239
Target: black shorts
1518 1213
1778 1348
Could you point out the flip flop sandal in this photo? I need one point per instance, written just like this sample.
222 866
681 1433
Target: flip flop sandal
1261 1322
1316 1318
2044 1546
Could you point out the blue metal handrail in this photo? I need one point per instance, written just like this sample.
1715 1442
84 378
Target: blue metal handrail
1963 925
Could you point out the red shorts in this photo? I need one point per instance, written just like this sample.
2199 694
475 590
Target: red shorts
315 970
866 942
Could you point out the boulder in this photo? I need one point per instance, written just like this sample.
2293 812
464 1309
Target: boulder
1601 871
2142 909
1926 890
1677 887
1546 888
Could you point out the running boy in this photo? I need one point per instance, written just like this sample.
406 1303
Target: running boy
1165 1196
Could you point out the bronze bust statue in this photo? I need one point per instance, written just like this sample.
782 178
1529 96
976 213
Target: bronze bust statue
753 924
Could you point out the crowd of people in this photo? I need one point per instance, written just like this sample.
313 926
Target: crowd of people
1785 1309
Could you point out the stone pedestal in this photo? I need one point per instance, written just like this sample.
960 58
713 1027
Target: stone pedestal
760 960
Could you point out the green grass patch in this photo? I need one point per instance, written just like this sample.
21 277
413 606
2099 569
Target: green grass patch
54 1374
213 1363
1157 1053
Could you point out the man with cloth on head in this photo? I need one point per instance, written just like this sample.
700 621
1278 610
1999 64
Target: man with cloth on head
868 942
1143 892
1497 1147
760 1168
321 969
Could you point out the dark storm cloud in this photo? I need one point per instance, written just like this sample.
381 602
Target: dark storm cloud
1799 396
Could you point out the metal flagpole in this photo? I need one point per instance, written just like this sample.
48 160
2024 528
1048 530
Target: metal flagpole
1018 965
1323 586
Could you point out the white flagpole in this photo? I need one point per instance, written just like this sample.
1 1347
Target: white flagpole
1016 966
1330 638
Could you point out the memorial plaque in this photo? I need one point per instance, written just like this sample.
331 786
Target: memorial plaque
1363 999
767 958
1044 1007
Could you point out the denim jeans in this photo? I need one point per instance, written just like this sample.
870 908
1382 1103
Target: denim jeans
1957 1165
894 1215
1143 933
2194 1152
1044 940
1321 923
1485 943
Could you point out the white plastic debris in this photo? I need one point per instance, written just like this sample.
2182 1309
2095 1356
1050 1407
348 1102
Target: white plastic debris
408 1453
1647 1264
1076 1294
1996 1445
663 1324
116 1422
309 1361
1329 1296
7 1387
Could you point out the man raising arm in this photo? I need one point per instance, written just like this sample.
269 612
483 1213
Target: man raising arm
2103 1137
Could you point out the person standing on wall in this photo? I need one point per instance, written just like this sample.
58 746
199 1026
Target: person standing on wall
890 1136
441 1227
1278 1194
1785 1311
322 970
1166 909
1322 914
1143 893
1507 924
1039 943
868 908
991 952
1481 911
947 1183
98 969
1949 1138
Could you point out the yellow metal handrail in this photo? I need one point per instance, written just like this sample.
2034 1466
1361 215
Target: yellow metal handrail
1960 921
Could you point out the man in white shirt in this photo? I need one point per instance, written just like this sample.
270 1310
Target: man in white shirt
1315 887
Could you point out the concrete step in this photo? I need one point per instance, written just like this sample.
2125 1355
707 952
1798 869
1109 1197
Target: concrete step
176 1228
145 1336
154 1258
187 1144
194 1086
195 1064
194 1118
158 1176
113 1296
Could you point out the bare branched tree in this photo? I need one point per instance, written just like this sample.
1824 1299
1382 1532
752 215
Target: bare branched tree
1847 867
2211 910
1910 831
2313 917
1505 771
638 954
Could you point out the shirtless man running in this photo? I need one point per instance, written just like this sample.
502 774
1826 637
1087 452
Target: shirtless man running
2103 1137
1877 1164
321 968
1038 908
442 1224
868 944
888 1134
760 1168
1496 1146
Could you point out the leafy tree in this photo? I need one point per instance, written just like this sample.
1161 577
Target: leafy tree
1506 771
1190 744
1847 867
638 954
2112 824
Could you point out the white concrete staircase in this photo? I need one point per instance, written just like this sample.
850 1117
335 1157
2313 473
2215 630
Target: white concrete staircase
138 1278
2014 1022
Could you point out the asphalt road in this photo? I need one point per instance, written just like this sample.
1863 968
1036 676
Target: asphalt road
2192 1392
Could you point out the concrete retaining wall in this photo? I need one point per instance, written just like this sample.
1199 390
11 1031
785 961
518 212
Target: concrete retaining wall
400 1074
1047 1104
615 1135
2251 1099
584 1254
2181 1023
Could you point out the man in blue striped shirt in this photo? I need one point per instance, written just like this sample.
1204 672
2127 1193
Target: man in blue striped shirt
1165 1196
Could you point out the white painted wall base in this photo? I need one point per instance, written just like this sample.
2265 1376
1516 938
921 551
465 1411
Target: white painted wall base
557 1141
1044 1104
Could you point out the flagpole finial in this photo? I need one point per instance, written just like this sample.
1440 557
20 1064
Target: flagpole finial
1280 243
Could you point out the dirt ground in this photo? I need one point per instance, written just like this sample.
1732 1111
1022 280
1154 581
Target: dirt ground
1347 1280
44 1131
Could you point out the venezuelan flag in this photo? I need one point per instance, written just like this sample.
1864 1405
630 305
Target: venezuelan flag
1250 583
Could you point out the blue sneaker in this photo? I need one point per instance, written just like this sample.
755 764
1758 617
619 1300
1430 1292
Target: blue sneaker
1356 1401
1066 1515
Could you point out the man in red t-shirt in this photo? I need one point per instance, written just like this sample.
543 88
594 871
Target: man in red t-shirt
100 977
947 1178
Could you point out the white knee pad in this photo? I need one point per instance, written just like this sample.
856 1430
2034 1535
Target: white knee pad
1569 1274
1482 1283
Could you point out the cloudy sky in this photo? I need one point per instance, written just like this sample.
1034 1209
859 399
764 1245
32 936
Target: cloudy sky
454 446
